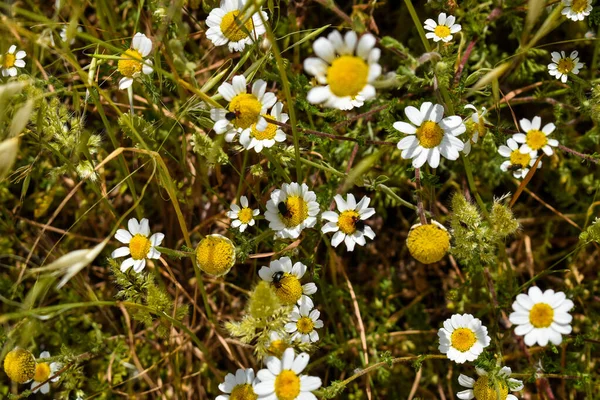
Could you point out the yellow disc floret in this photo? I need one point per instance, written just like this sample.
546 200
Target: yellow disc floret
215 255
243 392
428 243
305 325
442 31
288 289
347 76
268 134
579 5
8 61
463 339
247 109
287 385
42 372
541 315
536 139
139 246
231 26
565 65
245 215
297 211
129 64
430 134
347 221
483 390
19 365
277 347
518 158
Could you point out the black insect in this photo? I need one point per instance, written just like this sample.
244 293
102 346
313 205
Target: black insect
360 225
515 167
230 116
277 278
284 210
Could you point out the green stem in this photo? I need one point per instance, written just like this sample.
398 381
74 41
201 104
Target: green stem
400 200
242 180
322 167
473 188
418 24
175 253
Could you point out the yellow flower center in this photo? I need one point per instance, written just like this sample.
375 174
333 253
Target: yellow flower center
243 392
289 289
441 31
430 134
231 26
473 127
277 347
215 255
305 325
579 5
246 108
484 391
297 211
347 221
428 243
42 372
19 365
536 139
565 65
347 76
129 64
287 385
541 315
463 339
518 158
9 60
245 215
139 246
269 132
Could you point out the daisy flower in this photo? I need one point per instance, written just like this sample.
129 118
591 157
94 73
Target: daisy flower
304 321
252 138
281 380
43 371
215 254
242 217
348 225
561 65
19 365
132 62
443 29
535 139
428 243
489 386
463 338
245 110
292 209
226 25
277 343
576 10
239 386
542 317
140 247
11 61
285 279
475 126
517 162
430 135
346 67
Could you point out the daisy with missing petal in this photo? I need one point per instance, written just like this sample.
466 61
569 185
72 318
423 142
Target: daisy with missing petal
285 279
242 217
517 162
277 344
281 380
429 135
489 386
475 126
428 243
139 246
227 25
561 65
239 386
346 67
542 317
292 209
132 62
245 109
576 10
443 29
535 139
349 225
43 371
463 338
253 138
11 61
304 321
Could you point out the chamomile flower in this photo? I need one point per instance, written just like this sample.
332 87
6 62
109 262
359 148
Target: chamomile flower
252 138
576 10
475 126
348 225
228 26
463 338
245 109
489 386
11 61
346 67
430 135
428 243
43 371
291 210
443 29
282 379
535 139
561 65
215 254
239 386
517 162
244 216
139 245
304 321
132 62
278 343
285 279
19 365
542 317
